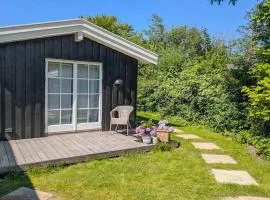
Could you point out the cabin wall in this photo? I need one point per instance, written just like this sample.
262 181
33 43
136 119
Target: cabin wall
22 81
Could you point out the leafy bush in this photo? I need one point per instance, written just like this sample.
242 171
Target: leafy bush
261 144
201 90
163 147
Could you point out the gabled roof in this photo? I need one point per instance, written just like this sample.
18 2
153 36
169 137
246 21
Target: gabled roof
79 27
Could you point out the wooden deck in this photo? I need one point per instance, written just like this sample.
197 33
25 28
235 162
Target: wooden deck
66 148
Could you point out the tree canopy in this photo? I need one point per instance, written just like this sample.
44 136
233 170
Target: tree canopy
112 24
259 94
233 2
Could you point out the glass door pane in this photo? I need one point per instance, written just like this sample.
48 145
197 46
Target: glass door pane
60 93
88 93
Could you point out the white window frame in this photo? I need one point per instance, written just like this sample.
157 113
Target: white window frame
74 126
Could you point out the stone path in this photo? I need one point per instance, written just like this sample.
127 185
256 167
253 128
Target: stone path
178 130
24 193
188 136
205 145
233 177
222 176
215 158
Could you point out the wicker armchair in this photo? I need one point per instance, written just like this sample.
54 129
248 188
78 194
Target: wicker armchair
122 118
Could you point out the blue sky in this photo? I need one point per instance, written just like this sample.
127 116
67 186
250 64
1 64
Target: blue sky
221 21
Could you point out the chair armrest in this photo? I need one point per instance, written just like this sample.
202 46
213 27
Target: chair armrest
113 111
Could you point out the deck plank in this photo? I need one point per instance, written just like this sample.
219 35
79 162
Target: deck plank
73 140
92 140
31 150
63 146
19 158
43 148
4 162
68 148
38 149
53 154
71 146
10 154
81 144
111 142
25 152
90 144
58 147
84 143
119 142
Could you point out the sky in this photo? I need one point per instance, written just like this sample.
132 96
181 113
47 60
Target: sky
221 20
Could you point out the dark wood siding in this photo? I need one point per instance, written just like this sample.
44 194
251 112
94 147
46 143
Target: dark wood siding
22 81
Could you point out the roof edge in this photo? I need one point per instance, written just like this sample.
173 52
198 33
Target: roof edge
90 30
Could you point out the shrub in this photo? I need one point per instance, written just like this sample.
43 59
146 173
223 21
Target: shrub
163 147
202 90
261 144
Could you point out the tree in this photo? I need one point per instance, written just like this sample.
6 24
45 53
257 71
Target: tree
220 1
189 41
156 33
112 24
259 94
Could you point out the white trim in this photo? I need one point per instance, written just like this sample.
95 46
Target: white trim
74 108
73 61
89 30
74 125
46 96
88 126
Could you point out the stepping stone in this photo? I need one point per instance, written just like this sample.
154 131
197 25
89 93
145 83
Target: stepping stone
24 193
246 198
178 130
233 177
205 145
214 158
188 136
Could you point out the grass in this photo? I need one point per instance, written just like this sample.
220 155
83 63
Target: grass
177 174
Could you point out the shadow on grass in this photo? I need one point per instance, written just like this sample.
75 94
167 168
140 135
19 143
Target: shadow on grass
12 175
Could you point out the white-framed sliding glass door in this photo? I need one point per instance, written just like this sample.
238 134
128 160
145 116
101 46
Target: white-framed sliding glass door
73 95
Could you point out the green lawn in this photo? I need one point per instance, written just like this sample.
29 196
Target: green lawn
179 174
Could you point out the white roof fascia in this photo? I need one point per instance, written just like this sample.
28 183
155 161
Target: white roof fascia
89 30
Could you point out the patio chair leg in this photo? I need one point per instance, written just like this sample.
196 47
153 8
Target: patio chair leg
127 128
110 126
116 127
129 125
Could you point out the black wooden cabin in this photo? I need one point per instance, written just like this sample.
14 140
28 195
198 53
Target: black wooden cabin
59 77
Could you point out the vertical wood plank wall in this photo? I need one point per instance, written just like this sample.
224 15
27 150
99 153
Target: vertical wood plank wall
22 81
